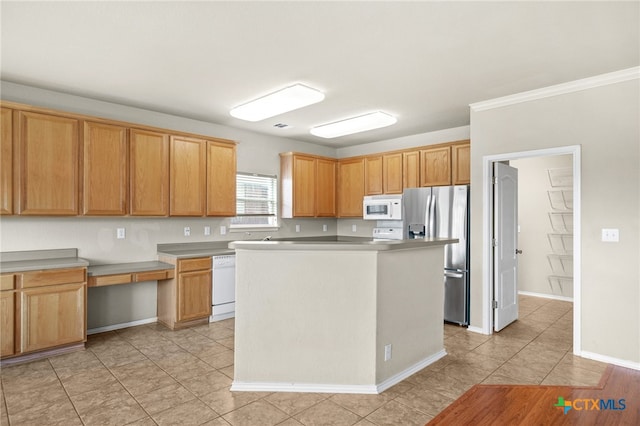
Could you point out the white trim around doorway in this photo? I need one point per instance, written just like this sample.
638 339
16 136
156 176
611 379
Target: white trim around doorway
487 224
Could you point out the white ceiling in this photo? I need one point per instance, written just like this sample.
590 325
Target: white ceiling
423 62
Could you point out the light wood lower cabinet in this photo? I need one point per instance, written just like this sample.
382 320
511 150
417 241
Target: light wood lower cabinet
52 316
185 300
7 315
43 310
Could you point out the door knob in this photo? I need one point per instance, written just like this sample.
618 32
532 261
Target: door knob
518 251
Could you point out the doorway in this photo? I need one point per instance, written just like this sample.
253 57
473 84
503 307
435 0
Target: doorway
488 256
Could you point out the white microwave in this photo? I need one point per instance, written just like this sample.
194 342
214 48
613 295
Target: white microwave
382 207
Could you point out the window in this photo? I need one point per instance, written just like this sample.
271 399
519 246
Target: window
256 201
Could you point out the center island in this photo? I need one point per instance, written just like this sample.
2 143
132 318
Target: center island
341 316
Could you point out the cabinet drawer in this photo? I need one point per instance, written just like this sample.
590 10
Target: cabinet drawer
7 282
53 277
154 275
110 280
185 265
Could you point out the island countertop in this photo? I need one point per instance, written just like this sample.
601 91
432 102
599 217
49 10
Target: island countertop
349 244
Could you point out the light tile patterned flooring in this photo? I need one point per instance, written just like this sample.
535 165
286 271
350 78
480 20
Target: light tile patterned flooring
149 375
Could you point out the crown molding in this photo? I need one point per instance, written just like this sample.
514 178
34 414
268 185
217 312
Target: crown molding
559 89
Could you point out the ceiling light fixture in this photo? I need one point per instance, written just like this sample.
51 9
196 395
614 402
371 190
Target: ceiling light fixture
285 100
362 123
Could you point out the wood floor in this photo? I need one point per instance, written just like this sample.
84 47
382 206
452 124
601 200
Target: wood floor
512 405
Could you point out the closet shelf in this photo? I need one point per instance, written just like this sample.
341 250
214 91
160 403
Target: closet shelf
561 243
561 221
561 199
561 264
561 177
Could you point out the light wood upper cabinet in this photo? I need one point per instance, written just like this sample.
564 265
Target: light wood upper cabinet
411 169
461 163
47 165
325 187
373 175
187 171
105 169
350 187
148 173
221 179
435 166
298 185
392 173
6 159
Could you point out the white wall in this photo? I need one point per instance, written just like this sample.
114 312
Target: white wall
605 122
535 226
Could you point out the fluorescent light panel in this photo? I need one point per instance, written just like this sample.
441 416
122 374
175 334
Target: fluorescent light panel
374 120
285 100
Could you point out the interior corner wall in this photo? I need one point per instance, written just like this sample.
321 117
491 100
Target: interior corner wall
534 227
604 120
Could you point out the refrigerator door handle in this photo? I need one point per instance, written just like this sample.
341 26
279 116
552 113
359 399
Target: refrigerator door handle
453 274
431 208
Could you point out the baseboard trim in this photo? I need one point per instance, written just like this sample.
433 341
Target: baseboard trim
300 387
121 325
397 378
478 330
610 360
238 386
546 296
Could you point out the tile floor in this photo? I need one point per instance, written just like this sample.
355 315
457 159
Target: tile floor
148 375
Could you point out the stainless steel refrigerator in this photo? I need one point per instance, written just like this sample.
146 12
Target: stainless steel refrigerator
444 212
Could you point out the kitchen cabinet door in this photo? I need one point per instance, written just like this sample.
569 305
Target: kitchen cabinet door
194 295
392 173
6 159
411 169
104 171
48 165
325 187
461 163
373 175
304 186
52 316
187 171
7 322
221 179
350 187
435 166
148 173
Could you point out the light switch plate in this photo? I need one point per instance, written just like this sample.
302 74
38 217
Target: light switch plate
207 230
223 230
121 233
610 235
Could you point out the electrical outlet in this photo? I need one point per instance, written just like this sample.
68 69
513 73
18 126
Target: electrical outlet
354 228
325 228
297 228
610 235
207 230
387 352
187 231
223 230
121 233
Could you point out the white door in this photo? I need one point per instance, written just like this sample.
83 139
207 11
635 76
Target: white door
505 222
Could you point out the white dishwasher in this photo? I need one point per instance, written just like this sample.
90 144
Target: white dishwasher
223 281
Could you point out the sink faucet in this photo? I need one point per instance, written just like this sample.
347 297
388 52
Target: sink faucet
267 238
